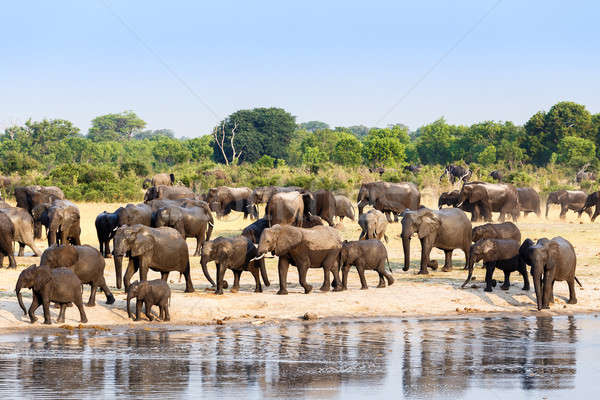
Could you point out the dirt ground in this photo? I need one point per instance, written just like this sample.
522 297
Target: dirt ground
437 294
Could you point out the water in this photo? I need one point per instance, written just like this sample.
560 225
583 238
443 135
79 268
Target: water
447 359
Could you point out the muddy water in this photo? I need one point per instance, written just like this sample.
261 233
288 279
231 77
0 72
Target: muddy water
446 359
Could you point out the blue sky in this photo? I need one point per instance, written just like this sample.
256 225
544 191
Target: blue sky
342 62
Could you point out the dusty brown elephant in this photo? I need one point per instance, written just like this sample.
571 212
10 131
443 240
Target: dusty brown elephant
224 199
163 179
492 197
169 193
286 208
7 236
62 221
568 200
529 201
446 229
505 230
373 225
389 197
28 197
318 247
365 255
322 204
193 222
23 223
343 208
591 201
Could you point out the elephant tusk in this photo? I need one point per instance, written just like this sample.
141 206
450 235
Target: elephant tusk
260 257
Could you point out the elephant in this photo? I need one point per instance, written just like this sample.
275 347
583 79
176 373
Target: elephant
87 263
505 230
264 193
568 200
133 214
286 208
163 179
23 224
322 204
497 175
453 199
223 200
255 229
582 175
59 285
415 169
591 200
106 224
188 221
28 197
7 237
161 249
149 293
169 193
318 247
498 253
310 221
389 197
64 223
550 261
446 229
238 254
373 225
343 208
364 255
529 201
5 183
456 172
499 197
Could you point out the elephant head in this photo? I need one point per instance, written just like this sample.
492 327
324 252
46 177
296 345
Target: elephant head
135 290
133 239
279 240
423 222
34 278
363 196
484 249
152 193
557 197
170 216
472 193
209 253
541 257
63 219
40 217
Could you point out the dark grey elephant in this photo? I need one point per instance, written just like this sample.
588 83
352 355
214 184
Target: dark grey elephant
23 224
529 201
59 285
224 199
591 201
373 225
364 255
505 230
551 261
149 293
389 197
193 222
28 197
318 247
159 249
87 263
133 214
492 197
456 172
568 200
320 203
343 208
452 199
7 237
255 229
106 225
446 229
497 175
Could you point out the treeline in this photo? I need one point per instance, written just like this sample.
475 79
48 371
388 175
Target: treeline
110 161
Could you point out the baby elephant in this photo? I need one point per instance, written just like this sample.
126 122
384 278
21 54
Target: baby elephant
498 253
505 230
59 285
364 254
156 292
373 225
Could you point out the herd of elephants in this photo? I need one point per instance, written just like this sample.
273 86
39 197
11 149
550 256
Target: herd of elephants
297 227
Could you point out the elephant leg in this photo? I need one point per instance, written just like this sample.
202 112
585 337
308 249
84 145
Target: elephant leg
337 283
167 314
61 313
164 275
381 280
138 309
21 249
282 268
107 249
46 307
425 250
326 286
35 303
596 213
523 272
236 281
361 274
506 284
572 297
220 274
110 299
388 217
144 271
548 295
345 271
302 270
128 273
563 211
447 261
489 274
387 274
198 245
256 274
79 304
148 310
92 299
11 260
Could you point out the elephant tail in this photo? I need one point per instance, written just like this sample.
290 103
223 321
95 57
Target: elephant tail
579 283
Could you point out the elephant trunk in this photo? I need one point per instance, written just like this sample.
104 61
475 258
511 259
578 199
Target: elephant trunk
20 296
406 248
537 284
211 225
204 262
547 207
263 273
119 270
37 230
473 258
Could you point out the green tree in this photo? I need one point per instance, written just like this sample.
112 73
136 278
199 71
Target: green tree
200 148
383 147
575 151
347 151
115 126
487 156
170 151
312 126
435 142
150 134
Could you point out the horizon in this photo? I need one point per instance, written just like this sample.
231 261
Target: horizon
342 63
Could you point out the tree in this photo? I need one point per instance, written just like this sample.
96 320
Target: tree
575 151
347 151
359 130
151 134
259 131
170 151
312 126
487 156
435 143
115 126
200 148
383 147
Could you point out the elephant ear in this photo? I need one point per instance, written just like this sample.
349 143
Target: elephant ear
143 244
429 224
553 253
41 278
287 237
478 194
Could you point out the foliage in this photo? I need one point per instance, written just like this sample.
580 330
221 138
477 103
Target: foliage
575 151
115 126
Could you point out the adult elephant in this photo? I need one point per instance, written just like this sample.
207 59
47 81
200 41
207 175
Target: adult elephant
133 214
62 219
168 193
318 247
163 179
343 208
389 197
498 197
286 208
7 236
529 201
551 261
446 229
106 224
456 172
160 249
224 199
264 193
592 200
568 200
23 224
28 197
322 204
192 222
497 175
452 199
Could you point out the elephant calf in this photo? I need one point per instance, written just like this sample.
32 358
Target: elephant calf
364 254
7 235
504 230
149 293
24 234
59 285
498 253
373 225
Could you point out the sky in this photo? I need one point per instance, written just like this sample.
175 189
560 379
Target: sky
186 65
